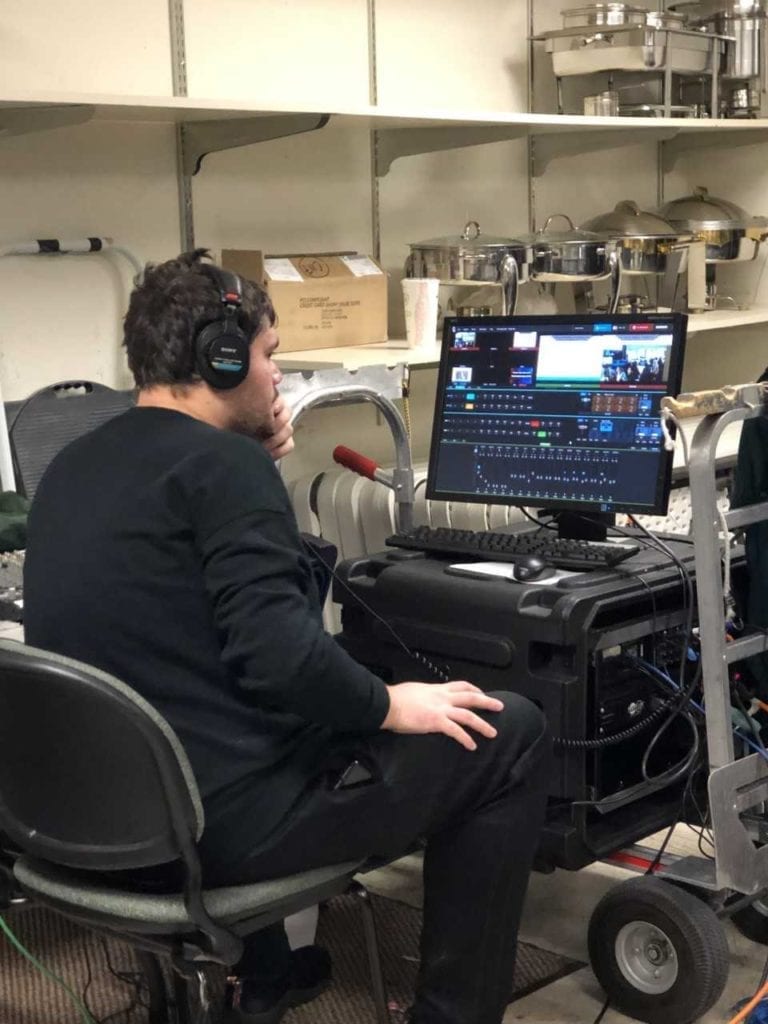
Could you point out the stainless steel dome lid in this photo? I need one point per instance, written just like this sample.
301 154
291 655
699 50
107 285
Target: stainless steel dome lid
627 220
703 212
471 239
603 14
730 8
578 236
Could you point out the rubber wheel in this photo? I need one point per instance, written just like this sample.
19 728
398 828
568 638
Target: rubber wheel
659 952
752 921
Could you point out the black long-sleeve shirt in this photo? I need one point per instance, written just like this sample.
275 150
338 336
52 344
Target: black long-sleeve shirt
166 552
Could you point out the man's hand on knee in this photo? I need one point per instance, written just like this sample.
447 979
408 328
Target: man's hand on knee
449 708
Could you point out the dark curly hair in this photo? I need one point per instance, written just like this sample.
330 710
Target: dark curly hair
171 304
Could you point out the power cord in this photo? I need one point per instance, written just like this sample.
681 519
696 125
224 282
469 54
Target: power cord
134 979
82 1009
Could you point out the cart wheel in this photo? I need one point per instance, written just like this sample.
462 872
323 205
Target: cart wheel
659 952
752 920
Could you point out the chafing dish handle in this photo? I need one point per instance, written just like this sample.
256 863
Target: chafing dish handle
598 37
615 264
509 281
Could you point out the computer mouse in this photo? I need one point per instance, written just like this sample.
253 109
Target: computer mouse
530 568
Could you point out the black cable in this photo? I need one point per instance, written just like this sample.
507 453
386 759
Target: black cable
679 710
671 775
614 738
654 783
688 585
650 540
654 613
132 978
417 656
88 979
686 692
603 1011
541 525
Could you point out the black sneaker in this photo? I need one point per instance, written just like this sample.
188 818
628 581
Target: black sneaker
251 1002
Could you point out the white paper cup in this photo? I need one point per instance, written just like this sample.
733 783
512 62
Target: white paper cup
420 304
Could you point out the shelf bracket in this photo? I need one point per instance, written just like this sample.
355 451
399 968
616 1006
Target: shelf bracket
204 137
687 142
23 120
392 143
549 147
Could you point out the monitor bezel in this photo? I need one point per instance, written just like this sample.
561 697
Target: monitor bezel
674 383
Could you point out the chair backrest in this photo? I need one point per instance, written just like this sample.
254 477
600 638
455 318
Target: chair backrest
91 776
41 425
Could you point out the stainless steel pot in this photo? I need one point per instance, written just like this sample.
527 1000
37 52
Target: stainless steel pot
574 256
730 233
646 243
472 257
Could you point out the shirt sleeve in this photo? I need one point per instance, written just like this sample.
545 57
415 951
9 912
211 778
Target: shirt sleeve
273 641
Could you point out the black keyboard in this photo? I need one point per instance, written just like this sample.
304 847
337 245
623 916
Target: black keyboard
579 555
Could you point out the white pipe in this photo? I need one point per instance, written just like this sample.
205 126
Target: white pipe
71 246
51 247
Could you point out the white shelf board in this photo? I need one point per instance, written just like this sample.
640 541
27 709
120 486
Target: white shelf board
354 357
720 319
122 107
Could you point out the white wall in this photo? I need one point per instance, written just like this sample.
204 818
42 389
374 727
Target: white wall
60 315
283 51
104 46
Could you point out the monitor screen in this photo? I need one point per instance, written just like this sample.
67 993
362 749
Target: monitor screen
556 411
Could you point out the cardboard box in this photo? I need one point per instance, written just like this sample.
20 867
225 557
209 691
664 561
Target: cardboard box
322 300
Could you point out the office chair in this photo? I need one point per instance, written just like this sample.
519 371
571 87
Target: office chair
94 780
42 424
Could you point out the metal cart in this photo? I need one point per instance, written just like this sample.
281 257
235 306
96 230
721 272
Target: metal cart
646 933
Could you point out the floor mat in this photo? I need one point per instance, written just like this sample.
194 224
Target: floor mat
26 997
348 1000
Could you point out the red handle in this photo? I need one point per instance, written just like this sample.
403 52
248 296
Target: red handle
355 461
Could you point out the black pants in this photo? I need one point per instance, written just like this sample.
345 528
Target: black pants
480 811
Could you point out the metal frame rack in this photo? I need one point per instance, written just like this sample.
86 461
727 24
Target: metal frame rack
736 786
378 385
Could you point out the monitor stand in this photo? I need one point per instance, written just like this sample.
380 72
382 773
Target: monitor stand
583 526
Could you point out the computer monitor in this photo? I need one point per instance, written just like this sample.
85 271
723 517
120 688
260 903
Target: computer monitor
556 412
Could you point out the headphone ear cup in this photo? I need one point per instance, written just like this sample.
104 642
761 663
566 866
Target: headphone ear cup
222 355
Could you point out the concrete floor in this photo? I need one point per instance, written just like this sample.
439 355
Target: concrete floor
556 916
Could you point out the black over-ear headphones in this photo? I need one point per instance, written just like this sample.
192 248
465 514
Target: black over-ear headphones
222 351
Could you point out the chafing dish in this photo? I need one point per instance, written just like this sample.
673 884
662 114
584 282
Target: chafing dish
646 243
573 256
577 51
730 233
745 73
727 233
472 257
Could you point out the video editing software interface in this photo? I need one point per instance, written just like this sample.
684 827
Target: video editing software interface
558 411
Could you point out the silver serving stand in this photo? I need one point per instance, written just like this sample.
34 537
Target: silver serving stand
381 385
